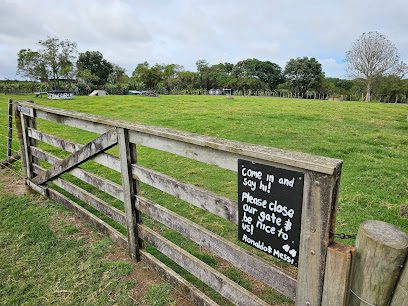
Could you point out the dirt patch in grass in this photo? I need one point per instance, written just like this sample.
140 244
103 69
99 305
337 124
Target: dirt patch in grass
145 279
12 183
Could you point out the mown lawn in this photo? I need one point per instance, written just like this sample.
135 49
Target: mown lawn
371 139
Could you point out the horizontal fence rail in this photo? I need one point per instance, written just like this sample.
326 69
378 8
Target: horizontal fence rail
321 181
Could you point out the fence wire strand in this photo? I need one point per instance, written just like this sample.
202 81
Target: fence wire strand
6 138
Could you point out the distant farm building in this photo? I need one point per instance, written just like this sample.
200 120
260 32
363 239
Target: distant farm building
98 93
215 92
227 91
60 95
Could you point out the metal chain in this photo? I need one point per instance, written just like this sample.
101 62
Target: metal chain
345 236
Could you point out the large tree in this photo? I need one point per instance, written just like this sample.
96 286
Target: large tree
54 60
92 63
149 76
265 71
372 56
220 75
304 74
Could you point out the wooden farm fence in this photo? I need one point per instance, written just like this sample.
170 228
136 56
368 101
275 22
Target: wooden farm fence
323 275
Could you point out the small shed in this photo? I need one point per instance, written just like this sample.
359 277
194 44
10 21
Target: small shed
98 93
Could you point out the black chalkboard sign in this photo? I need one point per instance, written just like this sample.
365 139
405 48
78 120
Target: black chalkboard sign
270 209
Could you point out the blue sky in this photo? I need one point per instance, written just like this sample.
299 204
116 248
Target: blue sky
183 31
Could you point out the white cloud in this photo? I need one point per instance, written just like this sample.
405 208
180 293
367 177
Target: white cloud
333 67
182 31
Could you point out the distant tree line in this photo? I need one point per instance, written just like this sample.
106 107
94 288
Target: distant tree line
57 64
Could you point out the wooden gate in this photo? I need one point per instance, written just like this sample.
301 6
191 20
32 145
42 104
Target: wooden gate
321 183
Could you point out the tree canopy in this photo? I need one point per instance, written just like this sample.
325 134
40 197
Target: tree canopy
265 71
304 74
149 76
92 66
52 61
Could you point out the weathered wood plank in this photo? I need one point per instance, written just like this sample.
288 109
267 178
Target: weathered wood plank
40 189
87 197
26 110
337 275
192 293
400 296
127 155
32 123
19 129
318 216
90 199
26 144
54 141
103 159
221 247
102 184
208 275
197 196
381 250
82 212
230 149
100 144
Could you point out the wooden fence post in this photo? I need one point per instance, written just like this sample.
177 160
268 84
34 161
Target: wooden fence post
32 123
26 144
19 128
337 275
400 296
318 215
127 154
381 249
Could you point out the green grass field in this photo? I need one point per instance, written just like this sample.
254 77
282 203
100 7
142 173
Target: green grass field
371 139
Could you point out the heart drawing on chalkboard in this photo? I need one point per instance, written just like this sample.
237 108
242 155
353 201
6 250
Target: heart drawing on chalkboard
292 252
286 247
